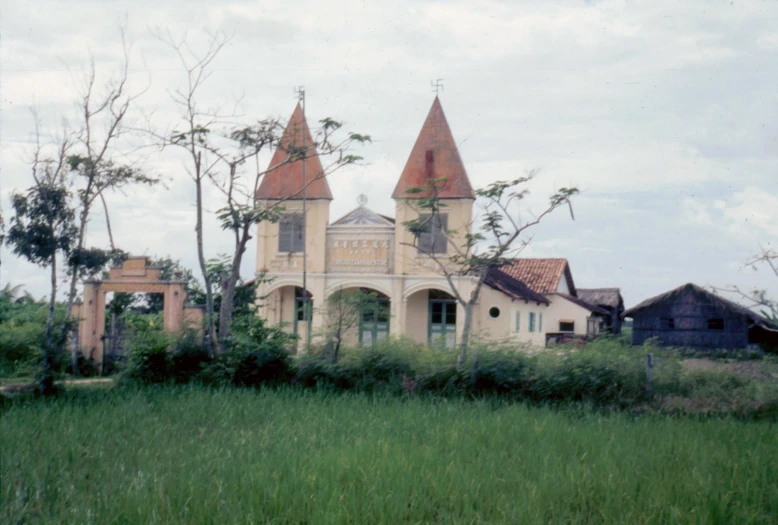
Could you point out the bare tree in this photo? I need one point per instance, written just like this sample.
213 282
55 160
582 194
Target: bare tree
191 135
758 297
222 157
501 237
343 312
94 165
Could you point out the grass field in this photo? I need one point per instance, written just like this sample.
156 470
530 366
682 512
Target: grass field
194 455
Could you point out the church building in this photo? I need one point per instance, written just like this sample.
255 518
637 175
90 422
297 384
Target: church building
531 300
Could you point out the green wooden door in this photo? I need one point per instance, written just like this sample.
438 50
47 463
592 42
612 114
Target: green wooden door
442 322
374 322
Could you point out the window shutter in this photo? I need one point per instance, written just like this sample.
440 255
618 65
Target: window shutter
518 321
284 238
540 322
432 236
291 233
298 243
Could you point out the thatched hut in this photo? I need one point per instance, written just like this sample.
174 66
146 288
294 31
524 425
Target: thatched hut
690 316
608 299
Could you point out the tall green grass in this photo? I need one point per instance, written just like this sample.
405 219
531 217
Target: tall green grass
196 455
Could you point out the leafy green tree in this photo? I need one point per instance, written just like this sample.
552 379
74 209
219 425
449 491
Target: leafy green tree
42 228
500 237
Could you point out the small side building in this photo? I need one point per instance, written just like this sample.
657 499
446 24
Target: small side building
610 300
691 316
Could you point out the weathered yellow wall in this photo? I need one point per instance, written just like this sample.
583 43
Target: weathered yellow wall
268 257
286 308
407 259
416 313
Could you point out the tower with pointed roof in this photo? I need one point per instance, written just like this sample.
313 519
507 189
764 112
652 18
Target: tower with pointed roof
434 159
280 245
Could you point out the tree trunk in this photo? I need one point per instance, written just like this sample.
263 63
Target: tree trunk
212 342
74 281
46 380
229 284
465 344
469 308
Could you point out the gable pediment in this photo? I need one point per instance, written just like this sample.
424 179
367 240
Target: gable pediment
362 218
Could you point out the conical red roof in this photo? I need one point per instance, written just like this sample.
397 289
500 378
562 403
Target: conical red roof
434 155
286 182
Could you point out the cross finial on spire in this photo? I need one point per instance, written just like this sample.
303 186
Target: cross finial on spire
437 85
300 92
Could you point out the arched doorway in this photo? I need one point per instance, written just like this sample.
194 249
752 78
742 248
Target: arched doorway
287 307
374 317
431 317
442 324
357 316
303 313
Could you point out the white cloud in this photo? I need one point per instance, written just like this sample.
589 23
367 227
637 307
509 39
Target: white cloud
696 213
753 211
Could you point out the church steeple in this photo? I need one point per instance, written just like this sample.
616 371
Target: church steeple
286 182
434 155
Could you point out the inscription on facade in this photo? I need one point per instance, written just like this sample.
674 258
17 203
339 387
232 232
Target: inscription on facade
359 254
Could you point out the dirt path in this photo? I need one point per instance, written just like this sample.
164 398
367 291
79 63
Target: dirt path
67 382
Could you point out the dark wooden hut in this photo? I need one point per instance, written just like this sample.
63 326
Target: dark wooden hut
690 316
608 299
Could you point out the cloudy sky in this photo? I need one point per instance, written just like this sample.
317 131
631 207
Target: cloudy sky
664 114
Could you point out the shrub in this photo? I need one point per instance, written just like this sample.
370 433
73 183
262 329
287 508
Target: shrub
190 357
22 336
255 354
149 357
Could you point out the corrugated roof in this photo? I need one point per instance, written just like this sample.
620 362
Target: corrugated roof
511 287
610 297
434 155
286 182
541 275
724 303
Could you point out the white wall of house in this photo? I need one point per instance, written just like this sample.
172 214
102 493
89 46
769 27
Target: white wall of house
563 310
504 327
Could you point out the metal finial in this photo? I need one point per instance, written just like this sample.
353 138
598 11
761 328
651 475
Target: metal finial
362 199
300 92
437 85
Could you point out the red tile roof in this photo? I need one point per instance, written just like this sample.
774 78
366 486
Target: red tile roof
286 182
541 275
434 155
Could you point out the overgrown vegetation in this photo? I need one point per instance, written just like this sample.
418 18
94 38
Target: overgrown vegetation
23 332
254 355
605 373
199 455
